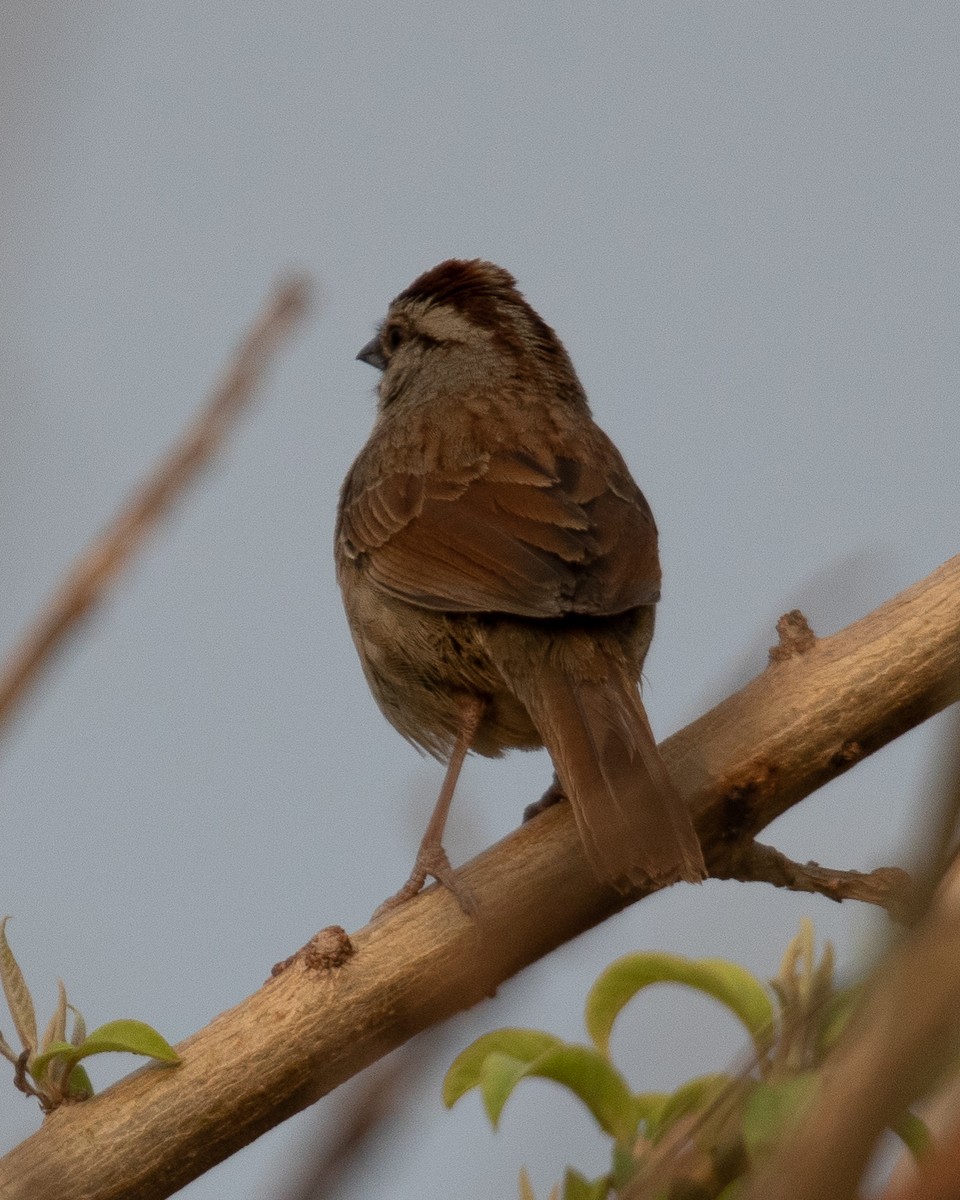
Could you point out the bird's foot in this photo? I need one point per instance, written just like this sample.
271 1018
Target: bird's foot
431 861
553 795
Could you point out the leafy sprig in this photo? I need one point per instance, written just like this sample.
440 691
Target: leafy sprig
49 1068
704 1137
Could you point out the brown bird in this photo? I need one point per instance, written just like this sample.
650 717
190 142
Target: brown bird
499 571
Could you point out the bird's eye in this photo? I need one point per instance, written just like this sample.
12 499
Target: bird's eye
392 338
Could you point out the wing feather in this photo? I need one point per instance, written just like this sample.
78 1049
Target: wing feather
507 534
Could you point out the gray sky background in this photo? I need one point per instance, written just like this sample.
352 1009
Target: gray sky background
741 219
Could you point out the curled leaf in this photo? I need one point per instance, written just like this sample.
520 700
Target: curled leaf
580 1069
132 1037
727 982
79 1033
465 1070
592 1079
126 1036
499 1075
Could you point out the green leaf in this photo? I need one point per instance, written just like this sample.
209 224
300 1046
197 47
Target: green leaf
649 1108
772 1106
465 1070
580 1069
62 1051
592 1079
132 1037
19 1000
499 1075
578 1187
79 1086
725 981
126 1036
913 1133
624 1159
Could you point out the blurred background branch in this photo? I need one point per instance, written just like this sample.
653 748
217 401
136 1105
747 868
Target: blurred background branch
89 579
903 1040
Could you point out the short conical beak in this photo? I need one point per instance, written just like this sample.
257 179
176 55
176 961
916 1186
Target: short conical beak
372 354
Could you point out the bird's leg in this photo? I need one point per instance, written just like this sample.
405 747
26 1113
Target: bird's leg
431 857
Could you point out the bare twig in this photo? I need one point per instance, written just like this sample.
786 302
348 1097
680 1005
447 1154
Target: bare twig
888 887
91 576
317 1024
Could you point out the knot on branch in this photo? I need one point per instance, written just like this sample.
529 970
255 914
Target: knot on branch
796 637
326 950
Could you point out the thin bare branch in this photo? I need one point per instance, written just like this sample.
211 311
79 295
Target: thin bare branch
326 1017
88 581
888 887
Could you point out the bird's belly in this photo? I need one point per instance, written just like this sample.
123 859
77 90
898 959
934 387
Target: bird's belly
420 664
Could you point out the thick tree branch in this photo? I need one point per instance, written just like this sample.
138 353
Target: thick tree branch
348 1001
89 579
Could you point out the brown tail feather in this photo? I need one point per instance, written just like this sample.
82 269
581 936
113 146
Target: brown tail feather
633 823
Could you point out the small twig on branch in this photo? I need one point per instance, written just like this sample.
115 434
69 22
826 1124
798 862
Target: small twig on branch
89 579
888 887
